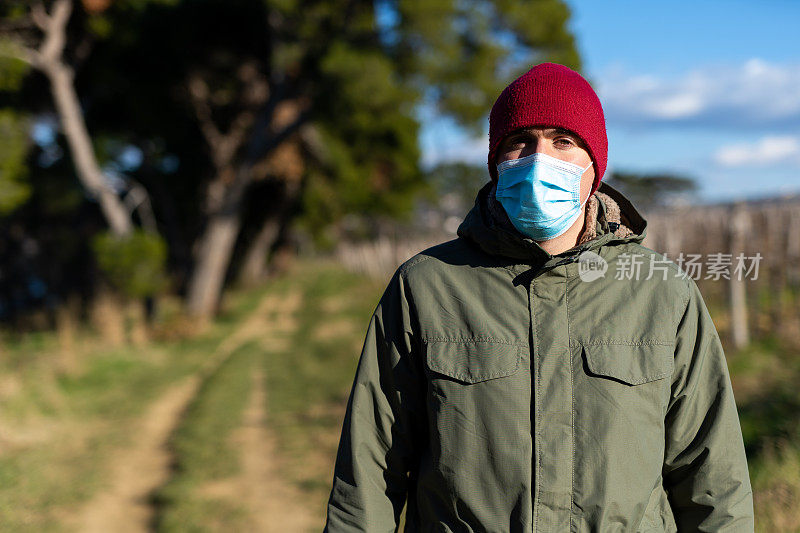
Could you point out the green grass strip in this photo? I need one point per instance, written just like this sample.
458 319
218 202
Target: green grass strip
203 452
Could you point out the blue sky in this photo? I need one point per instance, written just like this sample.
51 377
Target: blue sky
707 89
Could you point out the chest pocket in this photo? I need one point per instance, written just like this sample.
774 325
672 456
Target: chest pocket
473 361
632 364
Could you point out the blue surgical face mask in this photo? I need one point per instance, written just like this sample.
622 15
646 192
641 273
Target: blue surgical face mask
540 194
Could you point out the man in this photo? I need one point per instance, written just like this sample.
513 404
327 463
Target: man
510 381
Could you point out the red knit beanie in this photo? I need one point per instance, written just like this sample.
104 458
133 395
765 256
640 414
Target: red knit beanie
555 96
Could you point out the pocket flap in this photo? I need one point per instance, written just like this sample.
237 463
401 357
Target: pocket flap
472 361
630 363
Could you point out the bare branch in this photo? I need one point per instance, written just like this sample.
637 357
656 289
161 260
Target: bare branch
62 9
56 31
80 143
39 16
312 141
241 124
236 135
257 152
199 96
256 86
224 146
16 24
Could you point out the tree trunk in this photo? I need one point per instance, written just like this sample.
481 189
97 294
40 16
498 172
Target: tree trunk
256 260
226 191
793 258
216 246
69 112
254 266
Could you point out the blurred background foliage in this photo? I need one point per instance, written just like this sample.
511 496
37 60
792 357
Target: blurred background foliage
241 125
133 264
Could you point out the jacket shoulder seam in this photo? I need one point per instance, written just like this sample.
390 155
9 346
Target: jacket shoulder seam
404 268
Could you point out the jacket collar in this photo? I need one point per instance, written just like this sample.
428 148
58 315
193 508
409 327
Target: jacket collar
497 238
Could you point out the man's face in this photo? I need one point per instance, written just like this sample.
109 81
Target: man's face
556 142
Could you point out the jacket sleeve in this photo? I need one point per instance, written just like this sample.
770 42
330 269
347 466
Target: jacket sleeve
705 469
378 445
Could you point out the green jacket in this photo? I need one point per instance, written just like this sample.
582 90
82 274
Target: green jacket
498 390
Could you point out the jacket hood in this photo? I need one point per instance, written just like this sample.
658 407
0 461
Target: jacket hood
480 228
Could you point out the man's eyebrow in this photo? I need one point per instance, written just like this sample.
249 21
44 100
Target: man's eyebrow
550 132
562 131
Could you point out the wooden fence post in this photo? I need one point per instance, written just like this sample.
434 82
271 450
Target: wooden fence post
737 235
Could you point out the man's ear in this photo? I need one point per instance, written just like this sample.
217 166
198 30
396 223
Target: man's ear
493 166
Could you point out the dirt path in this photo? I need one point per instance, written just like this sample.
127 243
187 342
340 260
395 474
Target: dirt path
143 466
138 470
275 506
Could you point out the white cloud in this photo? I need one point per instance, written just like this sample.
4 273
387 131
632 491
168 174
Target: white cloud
770 150
753 94
676 106
758 99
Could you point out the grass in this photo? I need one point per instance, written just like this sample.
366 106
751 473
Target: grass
764 377
775 475
204 453
58 428
88 411
309 382
307 378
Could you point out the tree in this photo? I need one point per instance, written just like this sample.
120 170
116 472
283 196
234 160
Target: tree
46 54
52 218
334 86
217 96
14 188
651 190
462 180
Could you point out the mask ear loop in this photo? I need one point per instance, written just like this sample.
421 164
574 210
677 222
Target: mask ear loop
590 194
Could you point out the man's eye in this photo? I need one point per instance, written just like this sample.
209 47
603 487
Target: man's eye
564 142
